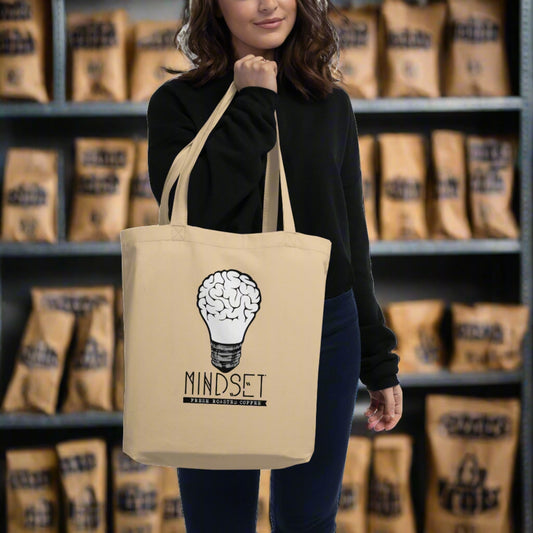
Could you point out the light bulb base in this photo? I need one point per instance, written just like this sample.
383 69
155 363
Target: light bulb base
225 357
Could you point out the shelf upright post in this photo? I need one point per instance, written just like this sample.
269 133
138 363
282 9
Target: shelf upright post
61 198
1 345
60 50
526 263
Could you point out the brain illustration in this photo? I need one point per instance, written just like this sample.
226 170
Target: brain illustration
228 301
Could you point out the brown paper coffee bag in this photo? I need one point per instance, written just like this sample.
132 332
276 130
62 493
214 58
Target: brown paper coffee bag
367 151
138 495
417 327
447 200
476 59
358 41
352 512
473 329
144 210
491 169
154 49
98 48
472 449
119 351
104 168
510 323
403 189
173 519
263 504
22 49
89 384
32 491
413 36
29 206
40 361
391 507
90 374
83 469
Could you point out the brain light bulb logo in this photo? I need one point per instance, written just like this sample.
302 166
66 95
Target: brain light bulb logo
228 301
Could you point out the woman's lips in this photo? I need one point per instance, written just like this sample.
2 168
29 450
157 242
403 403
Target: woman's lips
270 25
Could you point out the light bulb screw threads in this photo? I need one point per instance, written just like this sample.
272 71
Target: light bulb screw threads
225 357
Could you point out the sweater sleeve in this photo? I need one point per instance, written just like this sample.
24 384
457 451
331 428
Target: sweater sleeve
379 365
226 177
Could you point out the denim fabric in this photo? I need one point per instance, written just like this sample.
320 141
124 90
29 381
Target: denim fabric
304 497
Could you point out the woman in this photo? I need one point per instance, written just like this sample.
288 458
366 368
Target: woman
278 53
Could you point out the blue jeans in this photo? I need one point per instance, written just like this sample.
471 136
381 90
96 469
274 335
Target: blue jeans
304 497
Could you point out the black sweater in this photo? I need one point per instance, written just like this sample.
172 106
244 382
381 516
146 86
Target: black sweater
320 152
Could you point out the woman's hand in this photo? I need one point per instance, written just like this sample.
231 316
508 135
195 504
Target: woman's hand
385 408
255 71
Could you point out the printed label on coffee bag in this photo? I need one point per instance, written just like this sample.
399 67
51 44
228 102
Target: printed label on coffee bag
17 10
93 34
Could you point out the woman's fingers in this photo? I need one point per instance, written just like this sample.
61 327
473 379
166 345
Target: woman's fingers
389 412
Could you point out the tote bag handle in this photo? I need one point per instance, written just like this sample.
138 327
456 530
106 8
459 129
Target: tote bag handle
184 162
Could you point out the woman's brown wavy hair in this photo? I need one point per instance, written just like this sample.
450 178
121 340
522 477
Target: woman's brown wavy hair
305 58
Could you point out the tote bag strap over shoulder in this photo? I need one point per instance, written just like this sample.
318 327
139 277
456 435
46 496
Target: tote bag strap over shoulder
275 177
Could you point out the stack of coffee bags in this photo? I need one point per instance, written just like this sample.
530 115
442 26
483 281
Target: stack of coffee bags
417 326
90 369
138 494
403 186
391 506
83 469
358 42
32 490
145 498
29 206
412 37
476 62
78 325
98 44
154 51
488 336
23 38
104 169
491 170
352 512
41 359
447 198
472 451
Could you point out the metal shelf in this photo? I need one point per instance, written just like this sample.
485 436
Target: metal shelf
443 378
380 105
75 420
37 249
379 248
436 105
73 109
441 247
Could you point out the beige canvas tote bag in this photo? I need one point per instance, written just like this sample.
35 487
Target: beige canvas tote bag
222 332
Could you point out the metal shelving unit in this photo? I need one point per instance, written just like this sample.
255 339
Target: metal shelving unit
383 105
379 248
20 262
